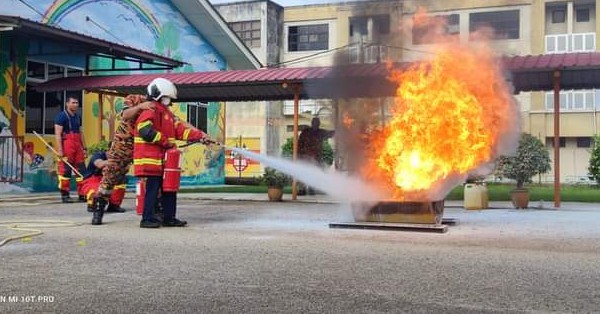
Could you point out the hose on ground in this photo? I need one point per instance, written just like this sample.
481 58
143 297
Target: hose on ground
28 227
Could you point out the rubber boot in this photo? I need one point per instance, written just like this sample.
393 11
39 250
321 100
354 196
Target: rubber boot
99 212
65 197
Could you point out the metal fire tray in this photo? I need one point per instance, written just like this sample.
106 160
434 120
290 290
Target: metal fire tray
427 212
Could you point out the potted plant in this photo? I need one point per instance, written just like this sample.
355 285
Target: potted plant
531 159
275 180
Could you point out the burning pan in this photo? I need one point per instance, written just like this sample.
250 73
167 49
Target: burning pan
429 212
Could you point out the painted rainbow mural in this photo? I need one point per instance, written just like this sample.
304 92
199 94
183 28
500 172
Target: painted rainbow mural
60 8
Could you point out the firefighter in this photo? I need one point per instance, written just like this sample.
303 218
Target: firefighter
155 133
70 146
310 148
90 185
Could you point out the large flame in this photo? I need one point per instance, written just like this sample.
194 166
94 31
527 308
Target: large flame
449 115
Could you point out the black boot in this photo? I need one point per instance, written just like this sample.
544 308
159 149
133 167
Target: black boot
112 208
99 212
65 197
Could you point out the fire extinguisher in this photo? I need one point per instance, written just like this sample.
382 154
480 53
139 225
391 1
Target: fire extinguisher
172 172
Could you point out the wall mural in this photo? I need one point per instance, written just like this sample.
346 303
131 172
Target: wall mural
237 165
150 25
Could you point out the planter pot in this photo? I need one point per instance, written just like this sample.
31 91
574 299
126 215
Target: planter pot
520 198
275 194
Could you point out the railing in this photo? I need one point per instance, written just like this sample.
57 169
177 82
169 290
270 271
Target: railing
575 42
367 53
11 158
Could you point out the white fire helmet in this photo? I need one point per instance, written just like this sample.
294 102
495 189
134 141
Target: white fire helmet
160 87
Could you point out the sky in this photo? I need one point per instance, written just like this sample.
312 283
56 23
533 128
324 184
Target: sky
283 2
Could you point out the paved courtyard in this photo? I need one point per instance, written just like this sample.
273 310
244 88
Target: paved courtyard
260 257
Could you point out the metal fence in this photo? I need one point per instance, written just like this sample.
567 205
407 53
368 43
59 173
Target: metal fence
11 158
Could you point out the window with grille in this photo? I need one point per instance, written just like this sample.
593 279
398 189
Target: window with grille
42 107
358 24
422 32
575 42
582 15
197 115
584 142
308 37
558 16
248 32
506 24
572 100
306 106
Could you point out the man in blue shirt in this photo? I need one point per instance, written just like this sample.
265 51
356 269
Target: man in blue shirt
70 146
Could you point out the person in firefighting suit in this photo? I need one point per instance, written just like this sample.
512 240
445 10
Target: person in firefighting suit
310 148
91 183
155 132
70 147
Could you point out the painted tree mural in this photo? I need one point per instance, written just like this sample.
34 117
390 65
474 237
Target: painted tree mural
13 78
167 45
110 103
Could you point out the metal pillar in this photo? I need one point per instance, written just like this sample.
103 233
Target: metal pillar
556 84
297 88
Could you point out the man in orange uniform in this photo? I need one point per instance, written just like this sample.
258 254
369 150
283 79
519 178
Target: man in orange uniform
70 146
155 132
91 183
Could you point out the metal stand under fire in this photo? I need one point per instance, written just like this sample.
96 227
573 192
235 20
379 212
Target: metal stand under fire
401 216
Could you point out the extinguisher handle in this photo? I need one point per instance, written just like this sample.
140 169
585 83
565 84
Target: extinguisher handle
204 141
211 142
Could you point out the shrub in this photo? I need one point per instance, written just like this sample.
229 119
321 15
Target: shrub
327 153
531 159
274 178
98 147
594 166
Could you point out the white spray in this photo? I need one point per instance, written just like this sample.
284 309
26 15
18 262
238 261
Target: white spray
336 184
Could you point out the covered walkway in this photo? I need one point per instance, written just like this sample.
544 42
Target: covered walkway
527 73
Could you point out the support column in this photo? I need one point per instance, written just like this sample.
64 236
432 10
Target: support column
556 83
297 88
100 115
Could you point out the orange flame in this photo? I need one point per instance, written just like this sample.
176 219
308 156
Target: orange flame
449 115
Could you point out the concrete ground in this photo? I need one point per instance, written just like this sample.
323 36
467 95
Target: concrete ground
252 256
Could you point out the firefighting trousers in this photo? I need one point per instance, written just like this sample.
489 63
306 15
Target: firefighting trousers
73 152
168 200
91 184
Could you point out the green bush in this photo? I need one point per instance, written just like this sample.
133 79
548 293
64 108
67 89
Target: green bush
532 158
98 147
327 153
274 178
594 167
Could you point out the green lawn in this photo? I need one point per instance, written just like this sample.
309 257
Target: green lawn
568 193
497 192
